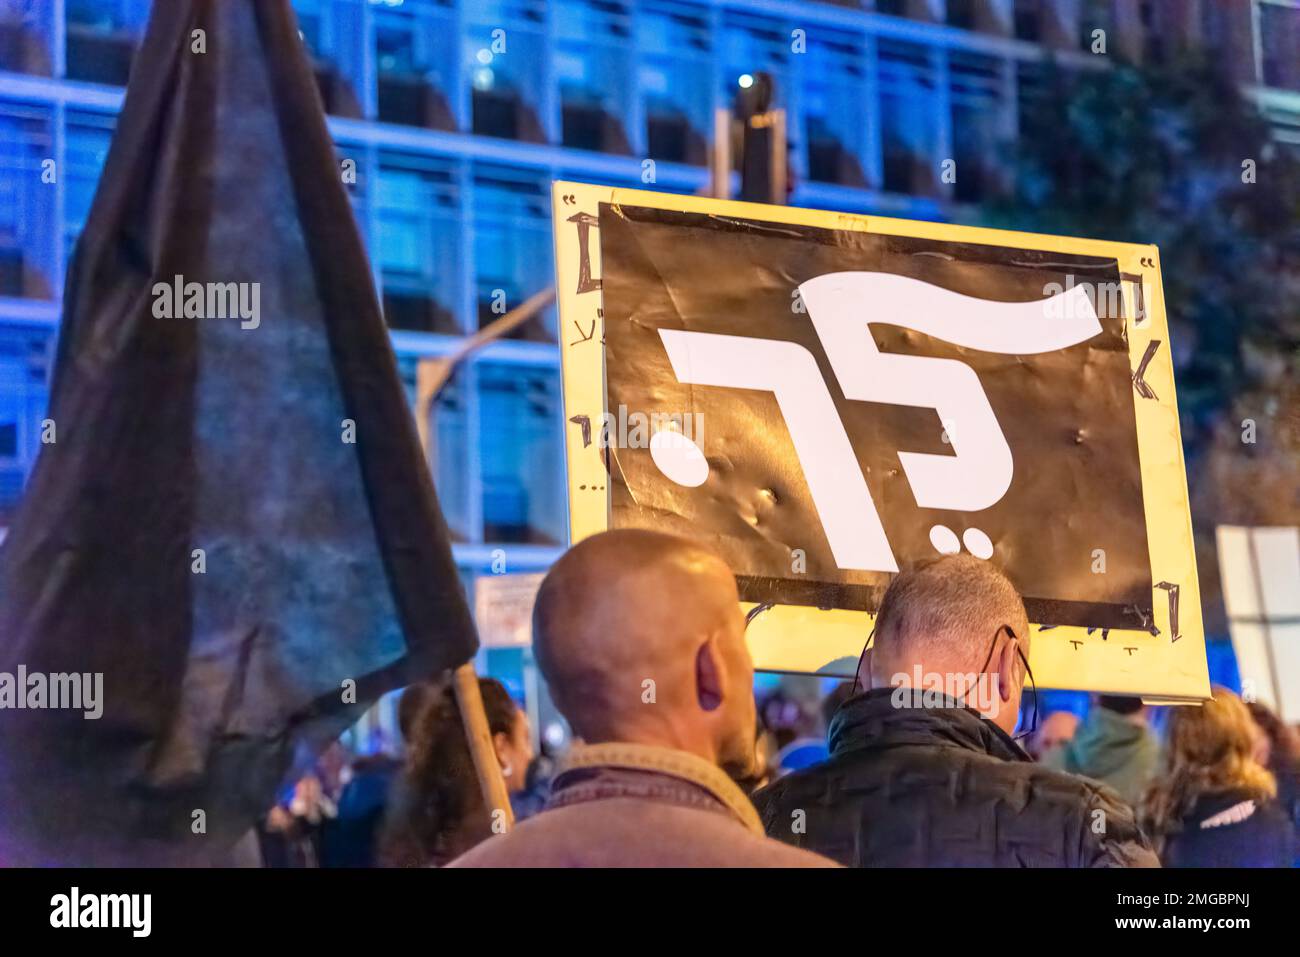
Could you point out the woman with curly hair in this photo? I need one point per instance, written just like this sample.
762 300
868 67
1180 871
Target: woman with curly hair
1281 755
437 811
1215 805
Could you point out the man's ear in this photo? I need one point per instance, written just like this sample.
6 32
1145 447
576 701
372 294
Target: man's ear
1008 665
709 682
864 670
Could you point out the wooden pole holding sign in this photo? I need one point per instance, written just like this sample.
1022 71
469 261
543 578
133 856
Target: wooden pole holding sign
490 781
432 375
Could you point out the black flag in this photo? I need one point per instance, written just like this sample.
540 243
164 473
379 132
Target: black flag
230 543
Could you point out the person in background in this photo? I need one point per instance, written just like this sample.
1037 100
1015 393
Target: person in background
923 769
437 811
834 700
1214 804
293 829
352 838
641 639
811 748
1281 755
1112 745
1055 731
792 737
537 782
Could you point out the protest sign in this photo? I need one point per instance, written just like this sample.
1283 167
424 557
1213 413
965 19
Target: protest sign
827 399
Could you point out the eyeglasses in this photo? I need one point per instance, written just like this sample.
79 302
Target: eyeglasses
1033 686
857 674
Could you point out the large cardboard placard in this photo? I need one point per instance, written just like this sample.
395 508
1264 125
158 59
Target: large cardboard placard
828 398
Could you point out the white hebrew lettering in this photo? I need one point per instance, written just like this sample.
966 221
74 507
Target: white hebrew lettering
789 372
978 473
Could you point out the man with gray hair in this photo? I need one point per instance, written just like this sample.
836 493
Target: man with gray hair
923 769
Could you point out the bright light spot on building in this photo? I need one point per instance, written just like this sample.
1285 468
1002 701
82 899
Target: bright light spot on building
484 56
483 78
745 81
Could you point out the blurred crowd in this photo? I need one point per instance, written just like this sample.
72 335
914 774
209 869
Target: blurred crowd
1216 786
858 775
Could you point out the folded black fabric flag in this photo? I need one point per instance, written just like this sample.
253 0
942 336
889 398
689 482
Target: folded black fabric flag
233 524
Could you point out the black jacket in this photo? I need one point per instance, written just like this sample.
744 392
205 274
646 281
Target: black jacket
916 786
1232 829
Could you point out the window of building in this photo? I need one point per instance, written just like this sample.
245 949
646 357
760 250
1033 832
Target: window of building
450 455
88 138
675 80
417 208
27 208
328 29
505 54
512 246
1031 98
834 104
101 37
23 31
907 116
24 393
594 60
356 162
975 83
522 449
1278 26
416 63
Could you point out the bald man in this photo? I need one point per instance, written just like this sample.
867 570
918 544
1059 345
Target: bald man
924 770
642 643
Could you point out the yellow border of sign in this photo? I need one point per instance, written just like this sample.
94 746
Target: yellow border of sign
1065 657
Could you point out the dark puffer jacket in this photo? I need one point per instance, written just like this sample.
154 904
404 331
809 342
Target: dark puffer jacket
943 787
1232 829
